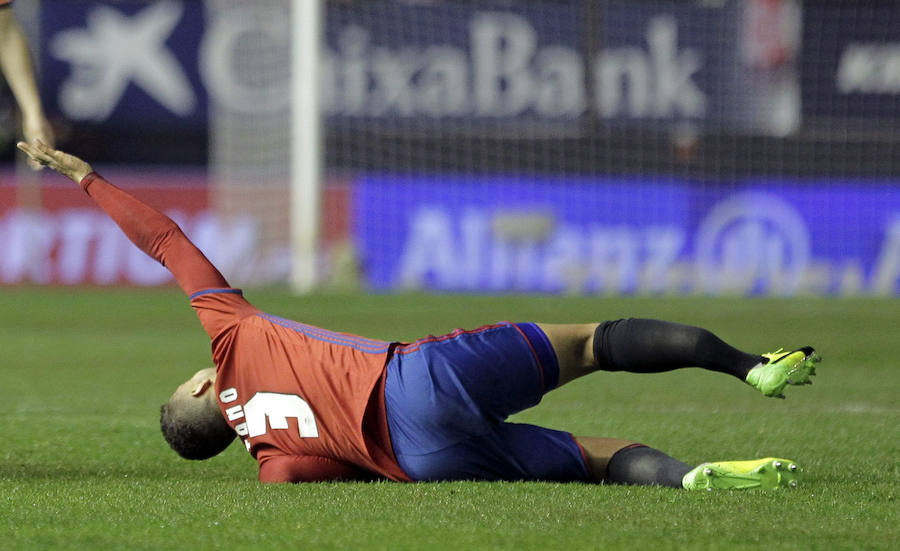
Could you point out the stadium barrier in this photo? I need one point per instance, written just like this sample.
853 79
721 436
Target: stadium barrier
563 235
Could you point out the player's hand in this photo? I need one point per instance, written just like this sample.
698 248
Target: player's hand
69 166
38 128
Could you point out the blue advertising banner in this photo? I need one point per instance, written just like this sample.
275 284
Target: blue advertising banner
503 234
560 62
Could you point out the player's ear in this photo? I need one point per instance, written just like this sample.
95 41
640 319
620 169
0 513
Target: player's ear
201 387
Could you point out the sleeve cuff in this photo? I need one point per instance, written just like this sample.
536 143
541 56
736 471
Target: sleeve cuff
88 180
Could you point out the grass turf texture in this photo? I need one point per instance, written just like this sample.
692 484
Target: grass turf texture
83 465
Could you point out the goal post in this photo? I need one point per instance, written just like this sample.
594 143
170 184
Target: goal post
260 62
306 142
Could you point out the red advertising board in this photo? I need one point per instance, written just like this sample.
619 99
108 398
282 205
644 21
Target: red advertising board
68 240
52 233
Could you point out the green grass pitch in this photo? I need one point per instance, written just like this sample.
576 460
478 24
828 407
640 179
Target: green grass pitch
83 465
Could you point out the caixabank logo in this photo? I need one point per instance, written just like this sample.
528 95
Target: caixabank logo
503 67
166 61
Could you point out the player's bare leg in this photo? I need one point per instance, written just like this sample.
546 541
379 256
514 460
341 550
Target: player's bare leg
573 346
600 450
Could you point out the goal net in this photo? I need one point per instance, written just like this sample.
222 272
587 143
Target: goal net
734 146
249 125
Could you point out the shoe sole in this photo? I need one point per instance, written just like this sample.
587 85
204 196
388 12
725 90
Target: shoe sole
772 473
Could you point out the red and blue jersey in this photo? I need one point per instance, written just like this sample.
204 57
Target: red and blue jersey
308 403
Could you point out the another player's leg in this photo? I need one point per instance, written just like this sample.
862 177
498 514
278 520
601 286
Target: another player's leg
653 346
624 462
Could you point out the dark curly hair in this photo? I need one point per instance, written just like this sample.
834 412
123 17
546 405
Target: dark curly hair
195 436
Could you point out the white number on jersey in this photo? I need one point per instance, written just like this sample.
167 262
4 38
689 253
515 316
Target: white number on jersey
277 408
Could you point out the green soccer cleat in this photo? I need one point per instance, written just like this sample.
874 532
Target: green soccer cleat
766 474
782 369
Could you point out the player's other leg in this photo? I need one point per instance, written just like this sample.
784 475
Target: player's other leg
653 346
625 462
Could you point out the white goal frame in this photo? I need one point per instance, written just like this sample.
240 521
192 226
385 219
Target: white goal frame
306 142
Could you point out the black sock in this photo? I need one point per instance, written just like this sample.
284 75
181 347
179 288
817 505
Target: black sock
653 346
640 464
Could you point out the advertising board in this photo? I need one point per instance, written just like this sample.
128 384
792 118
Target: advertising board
596 236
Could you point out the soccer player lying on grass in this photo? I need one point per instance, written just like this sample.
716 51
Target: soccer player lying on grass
313 405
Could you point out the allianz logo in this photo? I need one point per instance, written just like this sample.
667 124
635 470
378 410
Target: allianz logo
751 243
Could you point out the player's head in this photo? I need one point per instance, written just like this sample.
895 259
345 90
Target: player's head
191 421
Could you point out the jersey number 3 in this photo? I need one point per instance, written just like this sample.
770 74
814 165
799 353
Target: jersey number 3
271 409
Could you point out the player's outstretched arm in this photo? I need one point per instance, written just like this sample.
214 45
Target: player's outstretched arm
152 231
15 64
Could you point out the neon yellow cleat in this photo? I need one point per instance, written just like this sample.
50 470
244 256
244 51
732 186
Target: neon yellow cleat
765 474
782 369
